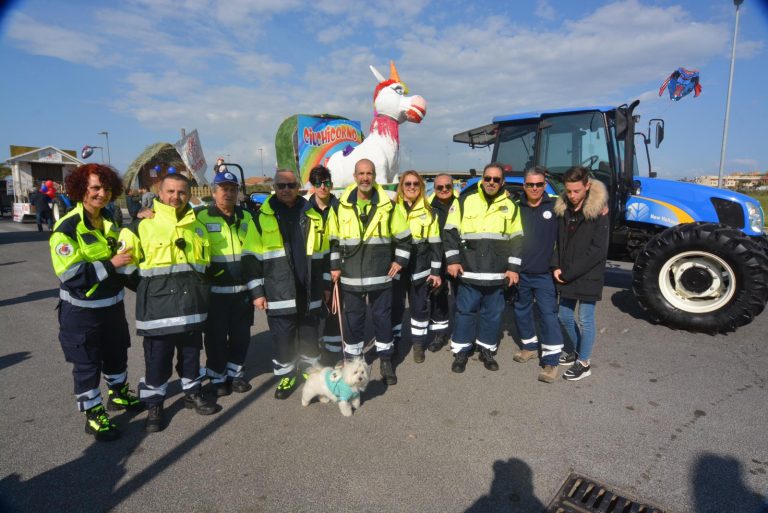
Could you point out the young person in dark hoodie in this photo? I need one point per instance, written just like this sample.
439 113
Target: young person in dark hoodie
540 228
579 262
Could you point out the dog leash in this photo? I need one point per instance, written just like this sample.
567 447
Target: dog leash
336 310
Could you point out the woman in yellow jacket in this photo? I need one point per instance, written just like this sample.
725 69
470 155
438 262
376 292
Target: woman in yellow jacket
422 274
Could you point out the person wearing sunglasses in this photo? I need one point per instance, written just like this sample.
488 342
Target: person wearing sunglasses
93 331
483 238
540 227
579 263
291 244
323 200
441 298
363 232
423 271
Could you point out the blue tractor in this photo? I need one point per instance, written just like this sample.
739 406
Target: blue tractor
700 255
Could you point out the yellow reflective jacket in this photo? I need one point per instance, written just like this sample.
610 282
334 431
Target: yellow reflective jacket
279 282
234 267
172 256
81 259
426 248
486 239
362 243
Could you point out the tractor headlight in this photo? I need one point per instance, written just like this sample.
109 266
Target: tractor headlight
755 214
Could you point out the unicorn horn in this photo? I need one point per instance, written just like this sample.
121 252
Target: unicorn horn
376 74
393 72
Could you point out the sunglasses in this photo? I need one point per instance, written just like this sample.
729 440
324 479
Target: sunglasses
494 179
289 185
441 188
328 184
411 184
536 185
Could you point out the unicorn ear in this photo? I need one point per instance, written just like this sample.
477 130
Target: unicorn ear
376 74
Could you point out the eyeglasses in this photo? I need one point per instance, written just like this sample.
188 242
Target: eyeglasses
494 179
289 185
328 184
441 188
536 185
411 184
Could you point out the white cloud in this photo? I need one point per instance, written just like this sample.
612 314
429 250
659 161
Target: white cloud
40 38
544 10
745 163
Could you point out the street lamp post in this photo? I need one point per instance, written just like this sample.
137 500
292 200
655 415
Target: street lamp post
109 157
261 155
737 3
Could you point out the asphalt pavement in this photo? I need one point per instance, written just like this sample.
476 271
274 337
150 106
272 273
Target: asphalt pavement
667 417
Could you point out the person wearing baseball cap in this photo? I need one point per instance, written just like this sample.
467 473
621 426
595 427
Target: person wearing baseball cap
234 278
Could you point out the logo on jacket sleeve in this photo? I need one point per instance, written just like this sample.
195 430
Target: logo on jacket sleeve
199 232
64 249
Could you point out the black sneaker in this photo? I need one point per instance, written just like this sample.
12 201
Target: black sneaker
121 398
388 372
241 386
459 362
438 343
577 371
98 424
486 356
154 422
566 358
285 387
418 354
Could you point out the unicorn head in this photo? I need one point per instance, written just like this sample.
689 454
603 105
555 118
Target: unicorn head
389 98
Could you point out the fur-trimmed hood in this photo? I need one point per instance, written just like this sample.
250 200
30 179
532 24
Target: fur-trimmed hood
596 200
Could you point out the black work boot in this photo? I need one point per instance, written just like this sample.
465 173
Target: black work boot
201 405
241 386
459 362
155 421
438 342
486 356
121 398
98 424
223 389
388 372
418 354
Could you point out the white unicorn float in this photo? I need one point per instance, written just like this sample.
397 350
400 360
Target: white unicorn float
391 107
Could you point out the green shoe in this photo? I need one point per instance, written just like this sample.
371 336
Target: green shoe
121 398
285 387
98 424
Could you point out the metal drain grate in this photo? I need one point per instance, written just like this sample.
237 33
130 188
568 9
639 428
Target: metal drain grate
583 495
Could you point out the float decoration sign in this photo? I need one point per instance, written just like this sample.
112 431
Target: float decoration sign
191 153
319 138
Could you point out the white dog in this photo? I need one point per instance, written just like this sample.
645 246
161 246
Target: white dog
342 384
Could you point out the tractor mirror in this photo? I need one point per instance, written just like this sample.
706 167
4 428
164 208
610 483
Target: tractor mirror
659 134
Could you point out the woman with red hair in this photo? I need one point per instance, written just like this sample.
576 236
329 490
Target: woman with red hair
93 331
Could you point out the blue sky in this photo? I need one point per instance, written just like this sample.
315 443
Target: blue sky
143 69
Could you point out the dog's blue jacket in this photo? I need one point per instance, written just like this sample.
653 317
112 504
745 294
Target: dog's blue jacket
339 388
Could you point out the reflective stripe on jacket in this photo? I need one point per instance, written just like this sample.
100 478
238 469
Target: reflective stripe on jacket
426 247
279 284
484 238
363 251
234 267
81 259
172 256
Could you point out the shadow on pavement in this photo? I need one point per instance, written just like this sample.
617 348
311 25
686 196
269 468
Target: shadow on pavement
718 485
511 490
9 360
12 263
626 302
32 296
14 237
90 482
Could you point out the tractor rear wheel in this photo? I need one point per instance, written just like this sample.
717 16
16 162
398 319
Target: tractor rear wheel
702 277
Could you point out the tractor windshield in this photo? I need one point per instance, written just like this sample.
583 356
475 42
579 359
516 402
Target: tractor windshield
567 140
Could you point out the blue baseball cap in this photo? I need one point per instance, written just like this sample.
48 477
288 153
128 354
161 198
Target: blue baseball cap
225 177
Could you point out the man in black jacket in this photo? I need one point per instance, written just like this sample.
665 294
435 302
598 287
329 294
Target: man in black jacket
440 299
540 228
43 212
579 262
